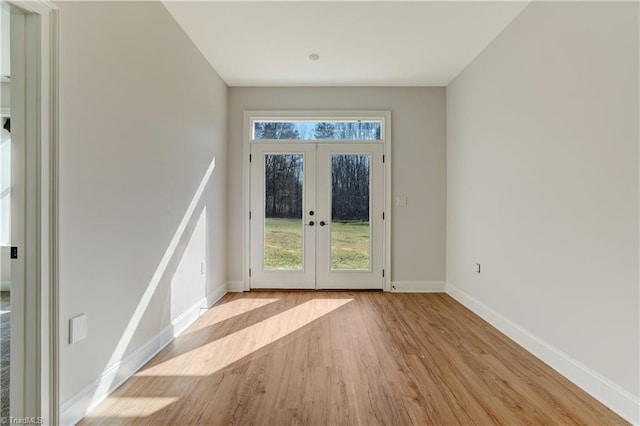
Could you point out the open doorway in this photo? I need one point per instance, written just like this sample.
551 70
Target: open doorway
5 210
5 248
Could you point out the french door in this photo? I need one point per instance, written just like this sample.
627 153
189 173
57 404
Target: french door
317 215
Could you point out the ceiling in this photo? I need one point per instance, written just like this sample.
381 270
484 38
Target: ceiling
360 43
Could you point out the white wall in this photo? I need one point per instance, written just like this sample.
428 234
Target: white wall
5 24
5 185
418 138
5 97
542 187
5 270
142 117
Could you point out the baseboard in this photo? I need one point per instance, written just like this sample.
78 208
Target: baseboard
604 390
235 286
214 296
418 286
5 285
76 408
396 286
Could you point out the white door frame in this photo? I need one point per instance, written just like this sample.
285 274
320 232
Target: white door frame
41 322
251 115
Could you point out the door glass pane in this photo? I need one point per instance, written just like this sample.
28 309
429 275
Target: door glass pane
283 227
350 231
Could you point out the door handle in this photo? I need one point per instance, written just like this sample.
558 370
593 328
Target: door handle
312 223
311 213
322 223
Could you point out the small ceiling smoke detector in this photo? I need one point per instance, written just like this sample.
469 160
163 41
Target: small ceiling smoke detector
314 57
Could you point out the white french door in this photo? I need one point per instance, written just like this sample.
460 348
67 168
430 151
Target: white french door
283 232
317 215
350 203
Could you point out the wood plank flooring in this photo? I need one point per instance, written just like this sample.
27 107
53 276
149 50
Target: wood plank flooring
346 358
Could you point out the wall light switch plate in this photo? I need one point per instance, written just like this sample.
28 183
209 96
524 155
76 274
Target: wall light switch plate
203 267
401 201
77 328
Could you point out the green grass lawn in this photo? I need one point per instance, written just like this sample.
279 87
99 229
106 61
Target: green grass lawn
283 244
350 245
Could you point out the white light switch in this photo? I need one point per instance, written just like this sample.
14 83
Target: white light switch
401 201
203 267
77 328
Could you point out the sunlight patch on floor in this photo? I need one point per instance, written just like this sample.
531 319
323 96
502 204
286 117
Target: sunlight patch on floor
228 310
214 356
131 407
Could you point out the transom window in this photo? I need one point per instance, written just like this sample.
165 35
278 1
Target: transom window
311 130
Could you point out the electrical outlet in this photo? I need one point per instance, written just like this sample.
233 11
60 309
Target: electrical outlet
401 201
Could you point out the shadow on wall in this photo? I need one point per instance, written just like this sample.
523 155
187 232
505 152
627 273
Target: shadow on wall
192 227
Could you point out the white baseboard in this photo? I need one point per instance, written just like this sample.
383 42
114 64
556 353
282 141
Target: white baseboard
396 286
214 296
604 390
235 286
76 408
5 285
418 286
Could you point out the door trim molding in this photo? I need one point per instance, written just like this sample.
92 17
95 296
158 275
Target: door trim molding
42 20
385 116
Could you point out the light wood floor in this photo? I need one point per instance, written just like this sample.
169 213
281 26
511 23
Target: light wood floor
358 358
